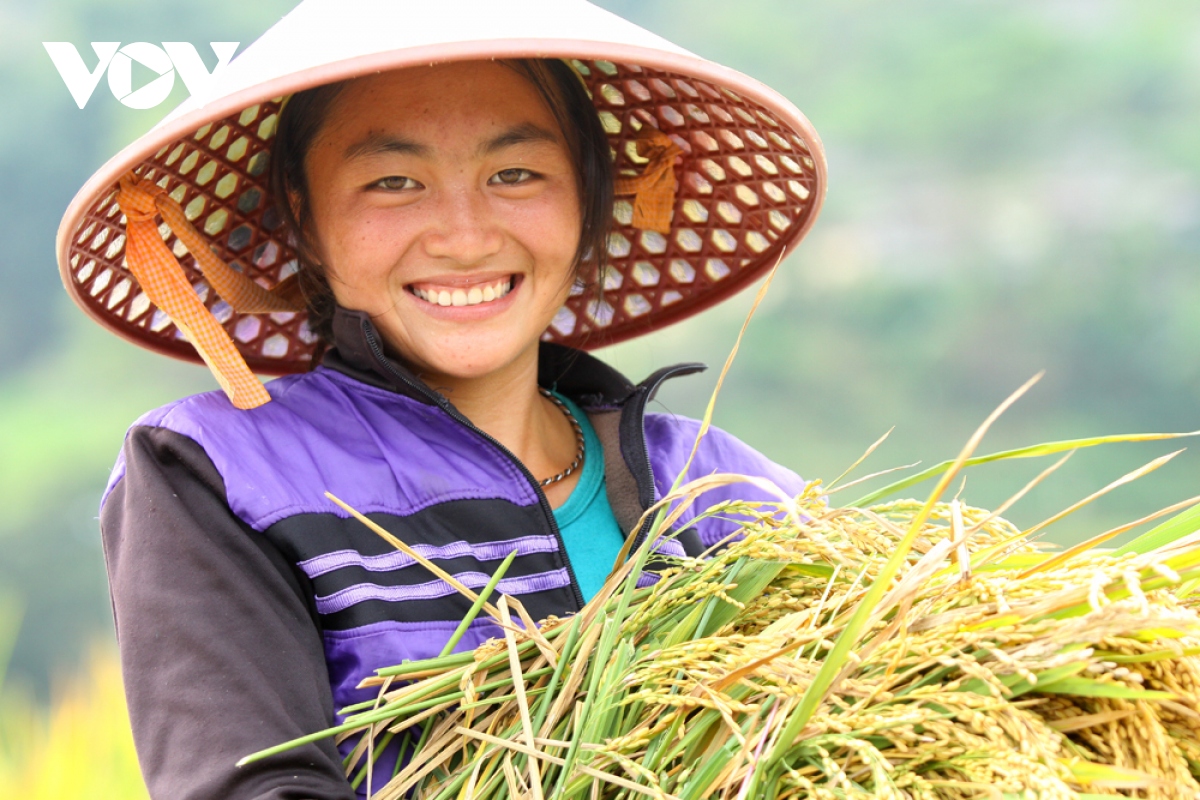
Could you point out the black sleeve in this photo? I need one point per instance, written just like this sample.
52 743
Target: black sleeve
220 654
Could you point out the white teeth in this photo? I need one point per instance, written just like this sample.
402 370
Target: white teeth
465 297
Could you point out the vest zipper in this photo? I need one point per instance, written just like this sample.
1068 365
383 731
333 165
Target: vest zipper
457 416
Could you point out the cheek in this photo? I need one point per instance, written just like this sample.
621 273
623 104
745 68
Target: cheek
364 244
552 227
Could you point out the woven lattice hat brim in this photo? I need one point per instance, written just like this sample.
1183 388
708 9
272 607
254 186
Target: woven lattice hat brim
750 180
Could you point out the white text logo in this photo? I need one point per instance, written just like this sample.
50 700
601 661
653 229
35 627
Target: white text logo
118 61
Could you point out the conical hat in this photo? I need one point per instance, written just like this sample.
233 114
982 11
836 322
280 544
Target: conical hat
749 179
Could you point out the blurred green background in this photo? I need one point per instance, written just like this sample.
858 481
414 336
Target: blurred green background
1014 186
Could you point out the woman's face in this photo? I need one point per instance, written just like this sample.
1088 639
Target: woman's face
444 204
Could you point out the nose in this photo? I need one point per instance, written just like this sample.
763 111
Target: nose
463 228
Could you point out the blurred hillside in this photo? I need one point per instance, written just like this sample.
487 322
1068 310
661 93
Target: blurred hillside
1013 187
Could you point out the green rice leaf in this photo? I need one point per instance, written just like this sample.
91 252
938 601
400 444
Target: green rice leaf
1181 525
1088 687
1019 685
1107 776
752 578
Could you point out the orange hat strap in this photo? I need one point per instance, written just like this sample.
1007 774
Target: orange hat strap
243 294
654 190
162 279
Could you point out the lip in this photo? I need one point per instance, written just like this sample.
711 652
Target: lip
458 280
466 313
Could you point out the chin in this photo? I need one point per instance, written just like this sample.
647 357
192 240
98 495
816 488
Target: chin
471 359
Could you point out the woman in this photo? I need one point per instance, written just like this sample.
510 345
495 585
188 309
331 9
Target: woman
449 208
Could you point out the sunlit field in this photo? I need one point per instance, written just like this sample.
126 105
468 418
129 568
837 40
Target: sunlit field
80 746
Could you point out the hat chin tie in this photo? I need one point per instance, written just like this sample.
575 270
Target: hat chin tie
162 279
654 190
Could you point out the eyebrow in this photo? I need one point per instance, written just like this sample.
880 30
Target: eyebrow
521 134
380 143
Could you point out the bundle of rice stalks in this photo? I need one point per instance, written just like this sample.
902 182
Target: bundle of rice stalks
897 650
988 666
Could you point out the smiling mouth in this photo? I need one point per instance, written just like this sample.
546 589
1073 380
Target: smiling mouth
477 294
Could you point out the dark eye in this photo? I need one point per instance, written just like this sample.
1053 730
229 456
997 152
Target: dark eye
396 183
509 177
